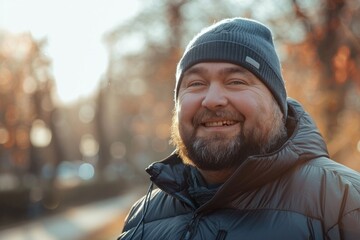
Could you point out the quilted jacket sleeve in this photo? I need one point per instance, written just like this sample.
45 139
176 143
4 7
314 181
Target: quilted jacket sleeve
350 225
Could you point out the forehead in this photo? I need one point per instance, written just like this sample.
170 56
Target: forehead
219 68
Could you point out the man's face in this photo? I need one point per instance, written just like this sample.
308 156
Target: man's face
224 114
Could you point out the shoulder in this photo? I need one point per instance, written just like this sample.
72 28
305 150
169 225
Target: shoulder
327 176
339 183
341 196
326 189
320 189
334 172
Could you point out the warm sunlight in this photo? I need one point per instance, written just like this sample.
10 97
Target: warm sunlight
74 31
88 109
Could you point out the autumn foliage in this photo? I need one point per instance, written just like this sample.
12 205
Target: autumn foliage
126 125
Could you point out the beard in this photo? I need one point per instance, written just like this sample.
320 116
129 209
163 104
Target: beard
219 152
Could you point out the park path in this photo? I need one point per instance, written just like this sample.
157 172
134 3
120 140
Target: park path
101 220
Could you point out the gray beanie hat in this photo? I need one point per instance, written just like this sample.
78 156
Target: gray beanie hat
240 41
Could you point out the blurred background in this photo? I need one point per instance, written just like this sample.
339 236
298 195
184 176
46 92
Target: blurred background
86 97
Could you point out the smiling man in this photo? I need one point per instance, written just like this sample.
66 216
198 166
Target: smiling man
223 110
249 162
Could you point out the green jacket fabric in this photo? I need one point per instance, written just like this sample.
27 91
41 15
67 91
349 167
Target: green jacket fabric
295 192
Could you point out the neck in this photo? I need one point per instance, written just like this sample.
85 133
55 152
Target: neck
216 177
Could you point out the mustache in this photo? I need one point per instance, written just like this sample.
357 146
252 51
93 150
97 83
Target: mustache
205 114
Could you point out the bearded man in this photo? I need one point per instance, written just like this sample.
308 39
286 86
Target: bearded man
249 162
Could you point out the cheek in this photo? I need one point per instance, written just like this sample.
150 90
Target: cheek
187 107
256 109
246 104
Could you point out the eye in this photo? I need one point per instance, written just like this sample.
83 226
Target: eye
237 82
195 83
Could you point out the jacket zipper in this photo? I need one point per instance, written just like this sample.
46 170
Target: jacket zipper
191 227
221 235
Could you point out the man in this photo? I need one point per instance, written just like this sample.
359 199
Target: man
249 162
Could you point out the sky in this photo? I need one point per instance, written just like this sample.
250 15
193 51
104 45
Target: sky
74 31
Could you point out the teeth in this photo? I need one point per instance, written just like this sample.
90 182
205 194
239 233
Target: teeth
219 123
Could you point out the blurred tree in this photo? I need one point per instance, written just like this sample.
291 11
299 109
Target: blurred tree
329 83
337 44
26 104
29 146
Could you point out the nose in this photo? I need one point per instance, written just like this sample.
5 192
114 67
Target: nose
215 97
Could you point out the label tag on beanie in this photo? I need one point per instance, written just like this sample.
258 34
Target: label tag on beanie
252 62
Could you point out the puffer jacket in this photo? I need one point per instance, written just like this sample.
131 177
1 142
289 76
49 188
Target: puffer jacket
296 192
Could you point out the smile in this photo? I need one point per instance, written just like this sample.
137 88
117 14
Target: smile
219 123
